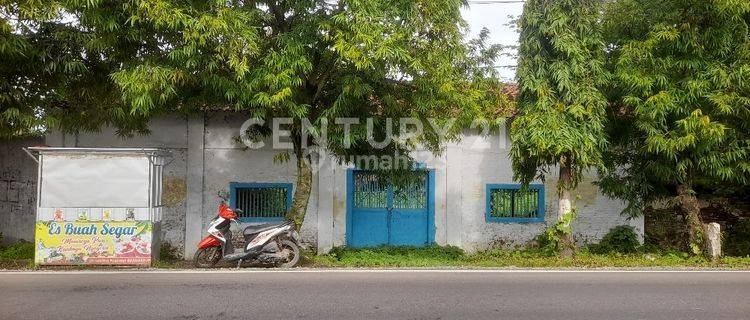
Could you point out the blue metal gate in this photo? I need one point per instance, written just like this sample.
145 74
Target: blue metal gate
382 214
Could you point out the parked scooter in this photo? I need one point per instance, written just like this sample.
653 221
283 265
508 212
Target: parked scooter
265 244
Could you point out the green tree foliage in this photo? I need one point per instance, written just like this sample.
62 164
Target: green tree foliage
79 64
561 110
58 59
681 101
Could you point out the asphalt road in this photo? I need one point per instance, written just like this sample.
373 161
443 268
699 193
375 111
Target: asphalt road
376 295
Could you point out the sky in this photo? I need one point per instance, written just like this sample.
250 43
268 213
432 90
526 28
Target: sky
494 15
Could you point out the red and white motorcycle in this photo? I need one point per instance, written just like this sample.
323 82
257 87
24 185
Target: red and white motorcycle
265 244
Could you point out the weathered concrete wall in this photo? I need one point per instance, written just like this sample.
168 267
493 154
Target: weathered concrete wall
485 160
18 178
207 158
194 205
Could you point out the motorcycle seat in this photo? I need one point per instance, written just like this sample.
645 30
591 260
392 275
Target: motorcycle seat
257 228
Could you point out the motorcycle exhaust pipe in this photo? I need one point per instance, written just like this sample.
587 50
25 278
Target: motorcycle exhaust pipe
241 256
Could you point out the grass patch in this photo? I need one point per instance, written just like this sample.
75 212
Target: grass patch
19 255
172 264
16 264
398 257
432 256
17 251
439 257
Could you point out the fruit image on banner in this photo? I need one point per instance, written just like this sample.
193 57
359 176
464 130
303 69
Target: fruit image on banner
93 242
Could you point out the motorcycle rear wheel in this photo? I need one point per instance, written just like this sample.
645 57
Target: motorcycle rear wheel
293 251
207 257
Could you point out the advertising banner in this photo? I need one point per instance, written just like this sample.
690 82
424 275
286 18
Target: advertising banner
93 242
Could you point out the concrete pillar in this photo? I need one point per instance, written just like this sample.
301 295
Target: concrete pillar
325 203
713 239
195 172
453 182
338 189
440 202
637 224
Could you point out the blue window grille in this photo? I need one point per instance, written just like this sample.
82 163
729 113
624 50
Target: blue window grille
512 203
261 201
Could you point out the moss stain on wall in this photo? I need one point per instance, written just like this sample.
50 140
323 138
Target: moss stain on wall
174 191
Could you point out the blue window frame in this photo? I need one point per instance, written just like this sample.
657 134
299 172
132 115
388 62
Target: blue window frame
261 202
512 203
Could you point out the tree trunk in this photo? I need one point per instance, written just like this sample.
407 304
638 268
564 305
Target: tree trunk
564 207
688 203
301 193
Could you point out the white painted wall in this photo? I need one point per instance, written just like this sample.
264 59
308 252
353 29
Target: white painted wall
462 172
207 158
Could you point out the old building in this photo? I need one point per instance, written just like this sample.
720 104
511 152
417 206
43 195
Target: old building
466 198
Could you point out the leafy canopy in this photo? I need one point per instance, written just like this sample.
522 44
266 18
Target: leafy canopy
561 110
75 65
681 96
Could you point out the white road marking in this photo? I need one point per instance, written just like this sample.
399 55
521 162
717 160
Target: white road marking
249 270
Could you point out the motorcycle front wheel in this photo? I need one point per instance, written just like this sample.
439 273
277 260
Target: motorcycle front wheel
292 254
207 257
